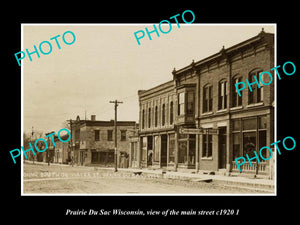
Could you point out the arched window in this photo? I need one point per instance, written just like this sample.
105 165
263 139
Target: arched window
171 113
236 99
255 90
163 115
155 116
207 98
222 95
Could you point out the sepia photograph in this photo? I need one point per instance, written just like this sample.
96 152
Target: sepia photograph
149 109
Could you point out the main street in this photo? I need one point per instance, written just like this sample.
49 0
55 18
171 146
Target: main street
65 179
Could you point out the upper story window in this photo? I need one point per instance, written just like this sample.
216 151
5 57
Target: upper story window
190 102
123 135
163 119
207 98
181 100
143 119
236 99
110 135
254 92
171 113
97 135
149 118
156 116
222 95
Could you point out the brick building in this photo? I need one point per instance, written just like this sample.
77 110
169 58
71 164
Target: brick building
93 141
198 121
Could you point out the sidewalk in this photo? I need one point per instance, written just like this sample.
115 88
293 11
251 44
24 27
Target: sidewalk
257 183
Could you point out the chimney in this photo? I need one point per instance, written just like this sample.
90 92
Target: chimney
93 117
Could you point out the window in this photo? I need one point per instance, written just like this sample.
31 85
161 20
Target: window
144 148
192 149
181 103
163 115
236 99
143 119
156 116
171 113
207 145
97 134
190 103
236 145
249 135
171 148
156 149
149 117
256 95
222 95
109 135
123 135
249 124
182 152
207 99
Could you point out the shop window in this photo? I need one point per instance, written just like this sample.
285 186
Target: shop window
236 145
236 125
249 124
262 122
192 149
182 152
249 144
95 157
171 148
207 145
156 149
144 149
263 142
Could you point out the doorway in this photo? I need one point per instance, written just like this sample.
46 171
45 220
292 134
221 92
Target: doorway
163 149
222 147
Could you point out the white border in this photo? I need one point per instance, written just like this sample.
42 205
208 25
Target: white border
139 24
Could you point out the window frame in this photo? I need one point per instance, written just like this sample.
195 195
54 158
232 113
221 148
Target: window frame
222 94
236 99
256 95
207 104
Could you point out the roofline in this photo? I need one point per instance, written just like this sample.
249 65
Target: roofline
141 92
224 51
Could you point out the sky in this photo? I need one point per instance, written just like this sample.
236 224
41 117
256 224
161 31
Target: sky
106 63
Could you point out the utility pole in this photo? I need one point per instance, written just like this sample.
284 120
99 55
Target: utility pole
116 102
31 141
71 143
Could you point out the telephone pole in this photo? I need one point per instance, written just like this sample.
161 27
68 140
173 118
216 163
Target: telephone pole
116 102
32 132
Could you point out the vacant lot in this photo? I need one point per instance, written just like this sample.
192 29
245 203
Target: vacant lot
59 179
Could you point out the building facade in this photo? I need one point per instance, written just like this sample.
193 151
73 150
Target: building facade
198 121
93 142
